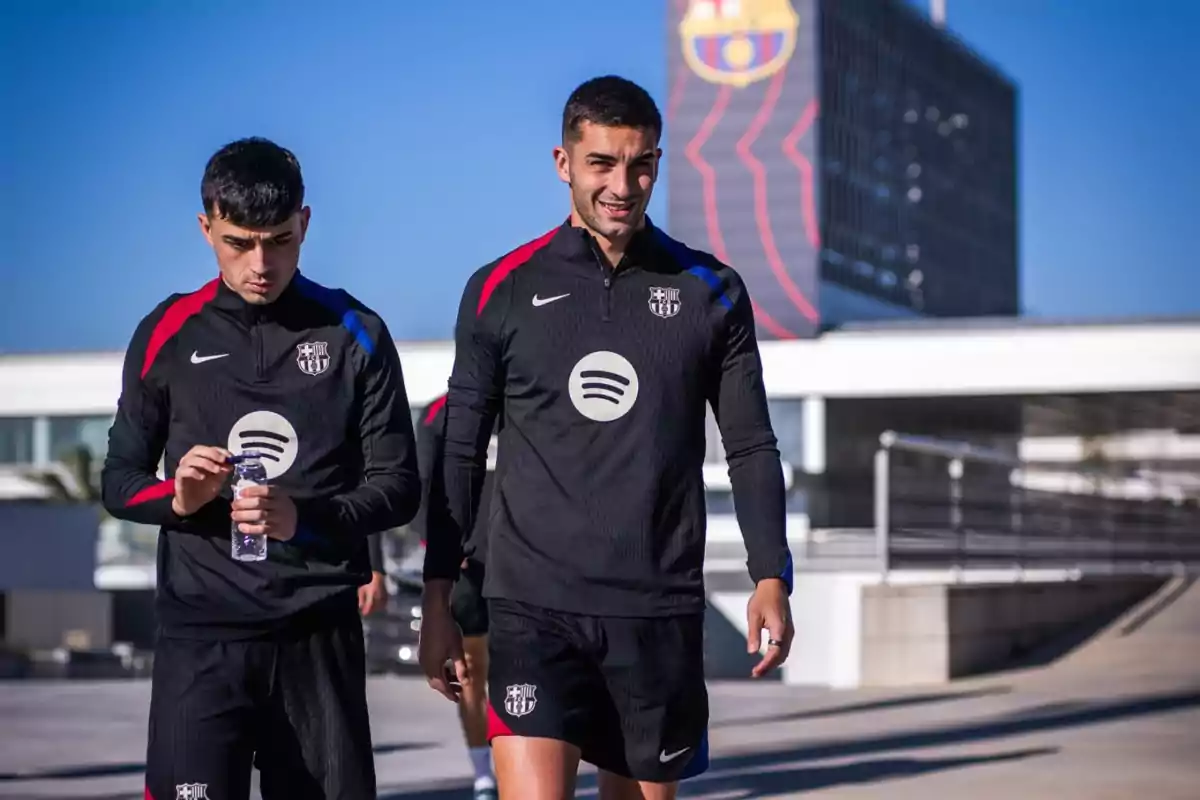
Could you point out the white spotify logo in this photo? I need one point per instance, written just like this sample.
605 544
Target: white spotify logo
603 386
268 434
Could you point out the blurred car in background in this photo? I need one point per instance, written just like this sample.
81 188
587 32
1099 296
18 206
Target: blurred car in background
392 633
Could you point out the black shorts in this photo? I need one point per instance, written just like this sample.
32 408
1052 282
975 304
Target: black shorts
296 709
467 604
628 692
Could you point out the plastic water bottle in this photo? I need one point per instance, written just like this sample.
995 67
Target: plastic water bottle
248 470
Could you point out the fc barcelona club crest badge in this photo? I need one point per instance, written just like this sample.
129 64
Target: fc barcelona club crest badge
738 42
520 699
664 301
312 357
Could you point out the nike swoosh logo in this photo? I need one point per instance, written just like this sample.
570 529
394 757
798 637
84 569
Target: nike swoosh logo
199 359
541 301
664 756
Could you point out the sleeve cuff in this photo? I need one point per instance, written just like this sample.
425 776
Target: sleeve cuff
787 574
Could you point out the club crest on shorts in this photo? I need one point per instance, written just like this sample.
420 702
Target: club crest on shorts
520 699
191 791
312 357
664 301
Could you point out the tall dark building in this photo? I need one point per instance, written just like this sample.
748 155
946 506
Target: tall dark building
849 159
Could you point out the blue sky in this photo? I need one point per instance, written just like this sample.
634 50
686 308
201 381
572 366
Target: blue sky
425 132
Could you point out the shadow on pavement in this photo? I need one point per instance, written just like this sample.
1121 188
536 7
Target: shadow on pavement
84 771
883 704
758 783
1040 719
759 772
1159 605
75 771
783 777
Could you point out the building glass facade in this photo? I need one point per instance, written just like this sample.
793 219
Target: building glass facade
850 160
918 165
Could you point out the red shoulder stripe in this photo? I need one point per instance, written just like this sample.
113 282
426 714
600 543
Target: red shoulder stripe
153 492
172 320
434 409
509 263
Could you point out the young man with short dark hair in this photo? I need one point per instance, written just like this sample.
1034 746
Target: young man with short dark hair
261 660
600 344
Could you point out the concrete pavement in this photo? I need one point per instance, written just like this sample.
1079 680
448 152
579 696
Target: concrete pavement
1118 718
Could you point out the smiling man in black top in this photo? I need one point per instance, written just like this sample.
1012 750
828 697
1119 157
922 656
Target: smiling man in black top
601 343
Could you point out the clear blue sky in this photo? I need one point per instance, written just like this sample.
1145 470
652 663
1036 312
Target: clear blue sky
425 132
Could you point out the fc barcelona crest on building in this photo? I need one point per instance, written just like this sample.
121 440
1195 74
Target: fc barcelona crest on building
738 42
312 357
664 301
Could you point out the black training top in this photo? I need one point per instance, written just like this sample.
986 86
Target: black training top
313 382
431 441
603 376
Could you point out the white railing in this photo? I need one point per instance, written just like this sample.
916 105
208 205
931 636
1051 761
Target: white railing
940 504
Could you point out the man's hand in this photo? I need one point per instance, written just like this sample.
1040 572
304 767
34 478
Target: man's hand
372 596
265 510
199 477
769 608
441 642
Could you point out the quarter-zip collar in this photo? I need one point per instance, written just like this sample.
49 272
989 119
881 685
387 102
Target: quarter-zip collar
577 245
252 313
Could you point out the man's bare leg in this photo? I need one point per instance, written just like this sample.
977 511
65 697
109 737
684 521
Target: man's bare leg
472 711
616 787
529 768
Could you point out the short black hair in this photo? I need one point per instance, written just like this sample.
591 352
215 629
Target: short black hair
611 101
253 183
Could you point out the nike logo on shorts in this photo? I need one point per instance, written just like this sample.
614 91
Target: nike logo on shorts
665 757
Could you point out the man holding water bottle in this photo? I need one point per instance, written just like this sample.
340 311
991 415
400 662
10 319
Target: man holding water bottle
277 410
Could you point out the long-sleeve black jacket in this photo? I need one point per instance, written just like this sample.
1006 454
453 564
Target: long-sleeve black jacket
603 376
431 444
313 382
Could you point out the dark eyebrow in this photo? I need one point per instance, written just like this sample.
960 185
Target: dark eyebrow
244 241
649 154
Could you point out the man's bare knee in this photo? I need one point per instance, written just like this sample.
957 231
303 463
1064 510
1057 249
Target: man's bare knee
531 768
616 787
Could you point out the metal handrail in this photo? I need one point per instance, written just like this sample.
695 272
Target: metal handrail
1096 526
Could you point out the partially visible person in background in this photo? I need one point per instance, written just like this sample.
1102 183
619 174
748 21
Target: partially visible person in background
373 596
261 661
466 599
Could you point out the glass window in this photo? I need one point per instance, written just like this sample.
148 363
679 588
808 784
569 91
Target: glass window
787 418
16 440
67 433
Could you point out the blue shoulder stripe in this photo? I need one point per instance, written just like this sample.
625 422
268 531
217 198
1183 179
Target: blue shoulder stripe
335 300
687 258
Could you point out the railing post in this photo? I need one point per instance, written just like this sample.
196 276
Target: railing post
955 471
882 512
1017 520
